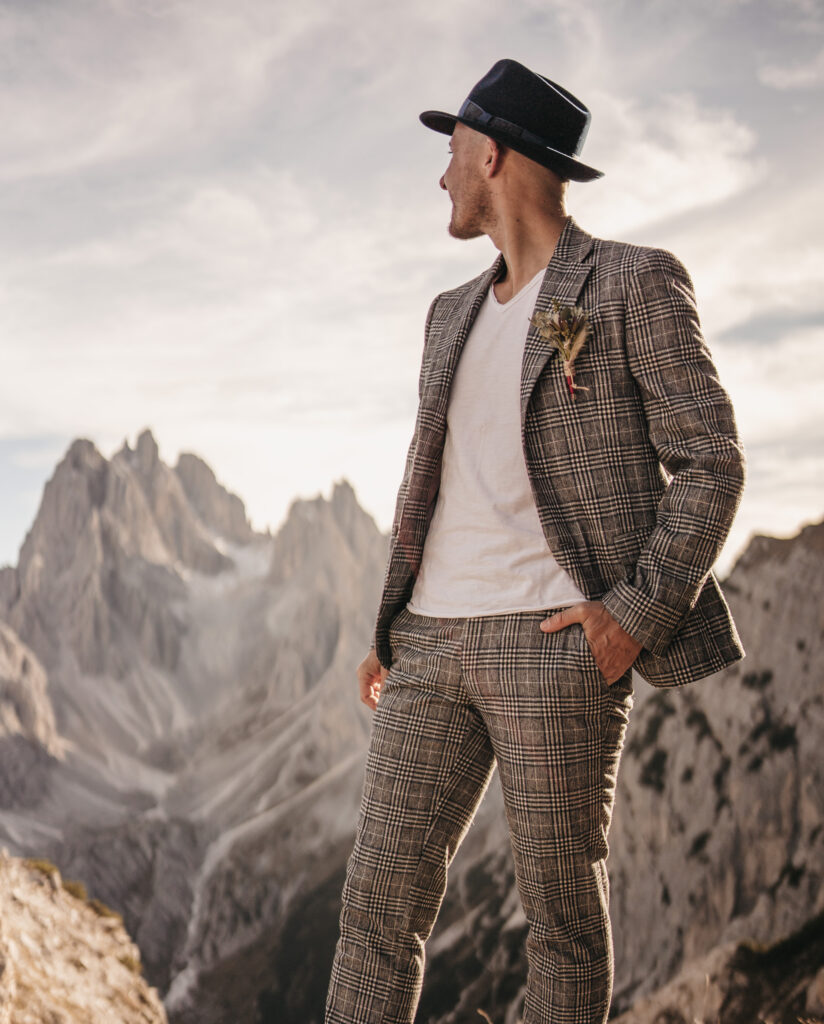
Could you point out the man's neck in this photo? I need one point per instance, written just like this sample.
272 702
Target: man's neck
527 245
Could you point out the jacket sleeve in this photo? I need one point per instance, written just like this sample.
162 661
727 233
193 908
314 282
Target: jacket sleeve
692 428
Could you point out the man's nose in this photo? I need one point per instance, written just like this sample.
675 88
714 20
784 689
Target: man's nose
442 183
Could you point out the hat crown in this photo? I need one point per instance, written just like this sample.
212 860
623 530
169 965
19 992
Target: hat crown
533 103
528 113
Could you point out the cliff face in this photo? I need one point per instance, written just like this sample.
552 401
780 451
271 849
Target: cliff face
29 742
741 983
717 840
184 690
179 728
718 836
63 958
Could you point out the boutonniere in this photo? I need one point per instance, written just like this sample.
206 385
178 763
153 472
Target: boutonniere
567 328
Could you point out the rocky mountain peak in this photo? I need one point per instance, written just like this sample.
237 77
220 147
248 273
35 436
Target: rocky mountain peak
356 525
186 537
65 533
343 496
82 453
217 507
106 553
320 536
147 452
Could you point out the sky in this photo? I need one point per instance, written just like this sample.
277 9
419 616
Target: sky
222 221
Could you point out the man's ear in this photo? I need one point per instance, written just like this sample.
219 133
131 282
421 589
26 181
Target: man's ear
493 156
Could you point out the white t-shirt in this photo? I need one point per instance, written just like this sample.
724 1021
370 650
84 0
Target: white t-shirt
485 551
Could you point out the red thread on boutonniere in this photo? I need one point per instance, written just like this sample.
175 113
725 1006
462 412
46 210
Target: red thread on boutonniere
567 328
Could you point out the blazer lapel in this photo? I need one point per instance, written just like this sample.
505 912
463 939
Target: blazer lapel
564 278
448 346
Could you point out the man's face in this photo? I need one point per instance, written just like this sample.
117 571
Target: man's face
467 185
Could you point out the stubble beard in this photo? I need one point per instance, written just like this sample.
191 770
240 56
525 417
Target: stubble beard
471 212
457 229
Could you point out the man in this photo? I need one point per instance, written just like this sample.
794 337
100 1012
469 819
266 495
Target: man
556 526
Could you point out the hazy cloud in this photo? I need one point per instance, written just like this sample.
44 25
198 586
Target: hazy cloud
223 221
667 158
795 76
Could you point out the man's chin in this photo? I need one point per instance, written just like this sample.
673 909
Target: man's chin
464 231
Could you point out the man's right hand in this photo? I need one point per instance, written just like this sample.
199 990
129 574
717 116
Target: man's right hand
371 675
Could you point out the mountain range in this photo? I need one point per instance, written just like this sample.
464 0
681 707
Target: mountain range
179 729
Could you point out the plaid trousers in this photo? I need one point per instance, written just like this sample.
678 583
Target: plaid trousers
461 695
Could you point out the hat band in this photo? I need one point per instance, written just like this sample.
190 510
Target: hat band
472 112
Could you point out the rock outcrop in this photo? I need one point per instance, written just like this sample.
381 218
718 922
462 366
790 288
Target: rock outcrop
63 957
741 983
719 836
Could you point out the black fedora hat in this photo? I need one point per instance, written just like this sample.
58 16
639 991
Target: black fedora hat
528 113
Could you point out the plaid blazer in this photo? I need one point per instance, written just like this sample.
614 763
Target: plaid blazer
636 481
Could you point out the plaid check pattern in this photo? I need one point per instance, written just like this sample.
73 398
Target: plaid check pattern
463 694
636 482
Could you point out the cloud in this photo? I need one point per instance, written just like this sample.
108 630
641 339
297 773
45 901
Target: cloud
103 82
777 387
757 256
794 76
664 159
250 295
223 220
805 15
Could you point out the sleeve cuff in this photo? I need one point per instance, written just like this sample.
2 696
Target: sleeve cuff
648 621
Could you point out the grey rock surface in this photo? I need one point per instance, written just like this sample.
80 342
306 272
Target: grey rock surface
719 830
219 509
25 708
743 983
30 746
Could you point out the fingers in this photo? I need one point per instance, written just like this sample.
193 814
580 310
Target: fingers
369 685
370 696
565 617
371 675
613 650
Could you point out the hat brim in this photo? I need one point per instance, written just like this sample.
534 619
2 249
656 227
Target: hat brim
562 164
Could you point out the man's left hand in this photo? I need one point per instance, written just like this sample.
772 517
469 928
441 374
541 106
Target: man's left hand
613 649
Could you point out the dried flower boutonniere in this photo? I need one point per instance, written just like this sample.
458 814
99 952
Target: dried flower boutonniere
567 327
